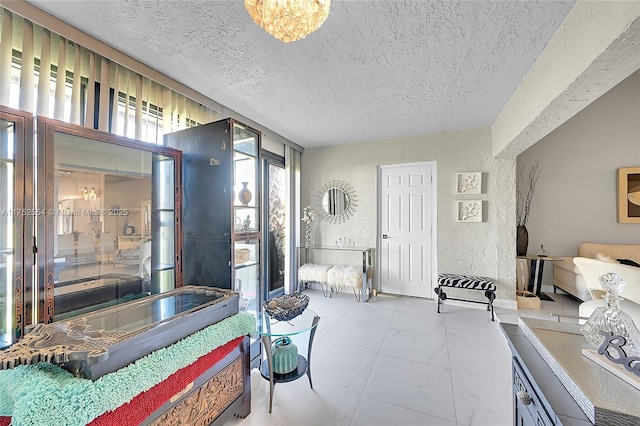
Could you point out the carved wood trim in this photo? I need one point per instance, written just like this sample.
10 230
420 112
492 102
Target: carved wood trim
202 406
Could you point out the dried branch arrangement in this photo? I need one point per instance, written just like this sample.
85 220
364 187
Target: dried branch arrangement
523 204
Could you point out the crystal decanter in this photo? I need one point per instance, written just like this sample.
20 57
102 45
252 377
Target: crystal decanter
610 318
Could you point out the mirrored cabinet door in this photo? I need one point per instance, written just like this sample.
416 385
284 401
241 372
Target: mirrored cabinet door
221 207
114 233
247 273
16 217
245 179
246 213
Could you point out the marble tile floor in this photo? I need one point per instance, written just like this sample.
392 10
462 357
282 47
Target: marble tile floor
396 361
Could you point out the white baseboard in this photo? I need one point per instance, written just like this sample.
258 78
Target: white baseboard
546 288
497 303
505 303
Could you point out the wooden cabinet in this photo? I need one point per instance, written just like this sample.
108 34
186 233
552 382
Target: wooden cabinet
528 408
221 209
539 398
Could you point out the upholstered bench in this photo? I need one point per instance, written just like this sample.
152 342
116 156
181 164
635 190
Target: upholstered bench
350 276
467 282
332 278
310 272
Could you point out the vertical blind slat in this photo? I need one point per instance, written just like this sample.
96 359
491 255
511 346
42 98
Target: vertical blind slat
175 117
6 47
27 68
197 112
58 111
166 111
192 110
138 106
105 85
91 93
182 111
155 90
146 92
77 86
115 107
127 94
44 80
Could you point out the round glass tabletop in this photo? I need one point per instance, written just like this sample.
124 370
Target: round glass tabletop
267 326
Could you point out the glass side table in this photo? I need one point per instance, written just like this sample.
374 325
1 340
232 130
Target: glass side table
269 328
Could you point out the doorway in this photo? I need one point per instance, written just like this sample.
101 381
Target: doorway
407 228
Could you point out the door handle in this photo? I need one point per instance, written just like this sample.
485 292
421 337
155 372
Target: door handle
524 397
385 236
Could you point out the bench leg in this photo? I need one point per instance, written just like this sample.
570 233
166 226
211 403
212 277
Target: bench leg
441 296
324 292
491 295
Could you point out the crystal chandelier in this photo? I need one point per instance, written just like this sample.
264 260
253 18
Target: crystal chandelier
288 20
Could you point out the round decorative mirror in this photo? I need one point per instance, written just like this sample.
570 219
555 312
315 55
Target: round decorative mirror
336 201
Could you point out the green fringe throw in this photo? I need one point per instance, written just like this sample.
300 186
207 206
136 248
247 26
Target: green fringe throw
45 394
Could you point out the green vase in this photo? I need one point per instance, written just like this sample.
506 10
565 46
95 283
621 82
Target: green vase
284 355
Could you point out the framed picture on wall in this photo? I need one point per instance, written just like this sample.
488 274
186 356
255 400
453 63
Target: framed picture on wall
469 183
629 195
469 211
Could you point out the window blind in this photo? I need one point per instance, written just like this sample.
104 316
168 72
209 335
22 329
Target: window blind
99 93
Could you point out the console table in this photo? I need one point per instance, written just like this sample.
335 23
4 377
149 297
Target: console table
539 398
268 328
367 263
536 269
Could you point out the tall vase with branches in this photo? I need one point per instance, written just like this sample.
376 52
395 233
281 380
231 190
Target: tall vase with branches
524 194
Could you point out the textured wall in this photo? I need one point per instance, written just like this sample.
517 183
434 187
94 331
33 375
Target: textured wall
486 248
595 48
432 65
575 198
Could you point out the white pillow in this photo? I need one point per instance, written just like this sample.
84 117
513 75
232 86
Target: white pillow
605 258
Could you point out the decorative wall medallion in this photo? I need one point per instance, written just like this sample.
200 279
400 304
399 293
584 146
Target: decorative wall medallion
469 183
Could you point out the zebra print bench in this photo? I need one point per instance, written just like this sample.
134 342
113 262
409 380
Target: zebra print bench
467 282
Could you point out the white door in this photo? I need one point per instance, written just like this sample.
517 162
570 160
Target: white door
406 218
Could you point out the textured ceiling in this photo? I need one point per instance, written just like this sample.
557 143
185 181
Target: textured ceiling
375 70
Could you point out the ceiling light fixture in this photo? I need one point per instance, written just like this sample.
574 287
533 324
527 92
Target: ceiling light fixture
288 20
